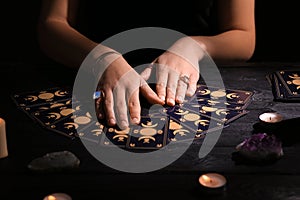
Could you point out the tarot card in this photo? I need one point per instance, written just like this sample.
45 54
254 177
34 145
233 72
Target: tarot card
34 98
291 81
197 103
151 133
92 133
186 119
229 95
43 107
53 113
115 137
73 123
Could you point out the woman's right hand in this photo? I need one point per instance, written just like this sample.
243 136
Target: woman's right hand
120 104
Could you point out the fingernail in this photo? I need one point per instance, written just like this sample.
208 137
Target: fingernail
171 101
190 92
179 99
163 98
112 121
124 124
135 120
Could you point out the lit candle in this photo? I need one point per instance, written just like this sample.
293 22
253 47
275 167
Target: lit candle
58 196
3 144
212 180
270 117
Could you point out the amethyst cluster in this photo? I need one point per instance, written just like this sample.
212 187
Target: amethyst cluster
261 147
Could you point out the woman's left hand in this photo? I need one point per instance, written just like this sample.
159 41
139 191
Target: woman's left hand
177 71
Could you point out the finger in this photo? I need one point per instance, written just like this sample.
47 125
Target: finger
162 77
150 95
109 108
192 86
181 91
121 108
99 107
134 107
145 74
171 88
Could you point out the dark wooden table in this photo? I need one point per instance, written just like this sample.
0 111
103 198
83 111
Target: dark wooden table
27 140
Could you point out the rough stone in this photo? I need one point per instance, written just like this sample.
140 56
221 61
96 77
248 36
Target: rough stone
54 161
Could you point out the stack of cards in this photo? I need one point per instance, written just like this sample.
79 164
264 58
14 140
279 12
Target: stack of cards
210 109
285 85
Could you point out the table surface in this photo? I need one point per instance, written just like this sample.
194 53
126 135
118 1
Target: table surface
27 140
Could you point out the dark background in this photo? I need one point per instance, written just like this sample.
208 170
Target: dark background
276 23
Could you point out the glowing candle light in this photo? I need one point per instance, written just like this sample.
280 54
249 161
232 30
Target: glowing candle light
3 144
58 196
212 180
270 117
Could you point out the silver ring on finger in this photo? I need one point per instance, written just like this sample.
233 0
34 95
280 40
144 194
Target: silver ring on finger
185 79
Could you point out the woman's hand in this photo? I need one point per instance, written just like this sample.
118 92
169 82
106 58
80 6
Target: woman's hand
178 71
121 85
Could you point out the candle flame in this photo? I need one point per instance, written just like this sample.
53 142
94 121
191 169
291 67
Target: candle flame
206 179
51 197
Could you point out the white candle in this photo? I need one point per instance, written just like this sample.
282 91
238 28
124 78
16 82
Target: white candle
270 117
3 144
212 180
58 196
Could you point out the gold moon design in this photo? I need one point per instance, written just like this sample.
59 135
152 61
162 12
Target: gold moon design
174 126
218 93
57 115
88 115
146 137
82 120
149 126
181 112
121 137
231 95
148 131
96 130
31 98
213 102
221 111
203 122
196 106
68 102
66 112
209 109
180 131
56 105
191 117
46 96
60 93
295 76
204 92
122 132
72 124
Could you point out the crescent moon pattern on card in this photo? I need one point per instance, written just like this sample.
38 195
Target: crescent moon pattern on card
54 115
31 98
71 125
60 93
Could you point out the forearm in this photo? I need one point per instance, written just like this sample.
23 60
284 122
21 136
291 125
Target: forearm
235 45
64 44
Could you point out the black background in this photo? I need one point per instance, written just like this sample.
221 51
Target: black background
276 23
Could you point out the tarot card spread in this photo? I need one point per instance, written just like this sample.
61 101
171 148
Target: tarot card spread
205 112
